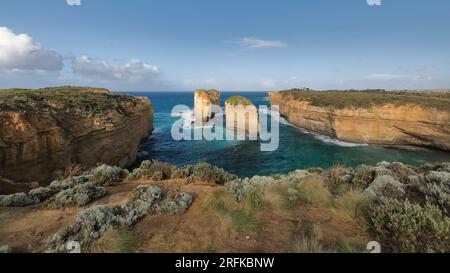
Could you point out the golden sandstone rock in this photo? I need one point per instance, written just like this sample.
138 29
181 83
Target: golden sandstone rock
203 104
48 130
398 118
241 116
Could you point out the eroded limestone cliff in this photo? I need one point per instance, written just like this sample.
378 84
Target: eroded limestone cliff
48 130
242 116
390 119
204 100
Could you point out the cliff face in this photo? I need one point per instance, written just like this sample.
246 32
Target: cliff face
203 103
386 124
43 131
242 116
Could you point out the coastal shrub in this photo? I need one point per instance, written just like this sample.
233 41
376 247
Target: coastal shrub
294 177
260 182
443 167
212 174
95 221
183 172
157 176
70 182
363 176
175 203
354 203
438 194
235 188
204 172
439 177
152 169
384 168
105 175
386 187
402 171
16 200
405 227
80 195
41 194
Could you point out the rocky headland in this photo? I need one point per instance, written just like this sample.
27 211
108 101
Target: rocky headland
374 117
46 131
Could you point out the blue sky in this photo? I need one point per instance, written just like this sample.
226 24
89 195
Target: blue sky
156 45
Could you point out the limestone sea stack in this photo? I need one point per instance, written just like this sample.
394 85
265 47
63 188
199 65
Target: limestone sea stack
48 130
374 117
203 104
241 116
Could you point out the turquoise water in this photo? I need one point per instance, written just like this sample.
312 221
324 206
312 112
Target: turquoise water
297 149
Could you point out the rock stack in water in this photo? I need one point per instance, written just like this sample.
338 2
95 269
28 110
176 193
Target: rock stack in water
242 116
204 100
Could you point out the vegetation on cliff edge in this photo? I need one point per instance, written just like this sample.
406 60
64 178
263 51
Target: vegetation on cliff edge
238 100
367 98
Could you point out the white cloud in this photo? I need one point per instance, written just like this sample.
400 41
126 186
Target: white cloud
255 43
73 2
399 78
19 51
374 2
103 71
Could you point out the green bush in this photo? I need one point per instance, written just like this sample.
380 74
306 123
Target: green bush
152 169
204 172
363 176
405 227
105 175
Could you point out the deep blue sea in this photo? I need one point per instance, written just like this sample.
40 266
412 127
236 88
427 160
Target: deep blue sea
297 150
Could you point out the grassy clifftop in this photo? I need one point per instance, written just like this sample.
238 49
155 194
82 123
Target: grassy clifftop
213 95
93 100
368 98
238 100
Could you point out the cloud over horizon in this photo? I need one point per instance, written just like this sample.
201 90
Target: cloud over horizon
19 51
24 61
255 43
398 78
103 71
